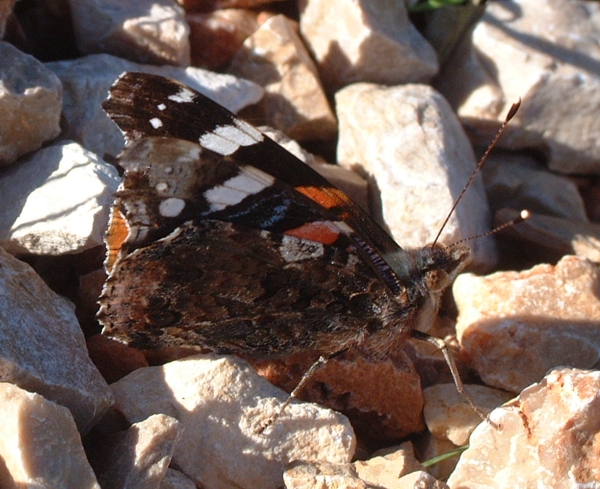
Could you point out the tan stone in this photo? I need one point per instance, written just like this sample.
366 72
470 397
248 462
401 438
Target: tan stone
153 32
139 457
31 101
409 140
445 454
548 437
176 480
365 42
449 416
114 359
42 348
386 467
324 475
39 444
420 479
382 399
515 326
221 403
294 102
216 36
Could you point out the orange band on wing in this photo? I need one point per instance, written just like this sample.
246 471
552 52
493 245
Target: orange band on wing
117 233
327 197
319 231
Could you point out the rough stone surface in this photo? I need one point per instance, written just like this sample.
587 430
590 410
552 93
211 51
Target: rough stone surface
515 326
386 467
216 36
86 82
382 399
448 414
411 143
431 447
139 457
294 102
420 479
147 31
518 182
548 438
324 475
30 104
548 238
548 55
39 444
56 201
365 41
176 480
221 403
42 348
113 359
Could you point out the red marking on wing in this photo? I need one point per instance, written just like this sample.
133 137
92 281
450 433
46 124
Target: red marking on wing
319 231
327 197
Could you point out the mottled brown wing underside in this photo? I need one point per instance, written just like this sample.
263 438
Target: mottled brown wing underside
240 290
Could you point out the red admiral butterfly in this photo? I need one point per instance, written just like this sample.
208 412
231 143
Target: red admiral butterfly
221 239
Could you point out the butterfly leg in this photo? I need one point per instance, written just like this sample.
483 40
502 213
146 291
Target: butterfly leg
314 368
441 344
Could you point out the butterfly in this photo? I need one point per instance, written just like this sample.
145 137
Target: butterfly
221 239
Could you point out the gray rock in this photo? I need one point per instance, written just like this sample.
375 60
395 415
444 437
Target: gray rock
56 201
86 82
546 53
42 348
147 31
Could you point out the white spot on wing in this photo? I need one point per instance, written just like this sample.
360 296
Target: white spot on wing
155 122
249 181
162 187
226 140
185 95
171 207
161 106
343 227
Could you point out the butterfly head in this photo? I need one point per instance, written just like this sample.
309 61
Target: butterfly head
441 265
435 269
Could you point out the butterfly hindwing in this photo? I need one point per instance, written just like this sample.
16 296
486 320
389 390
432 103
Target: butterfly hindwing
235 289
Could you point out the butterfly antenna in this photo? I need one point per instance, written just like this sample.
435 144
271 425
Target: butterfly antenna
523 216
511 113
